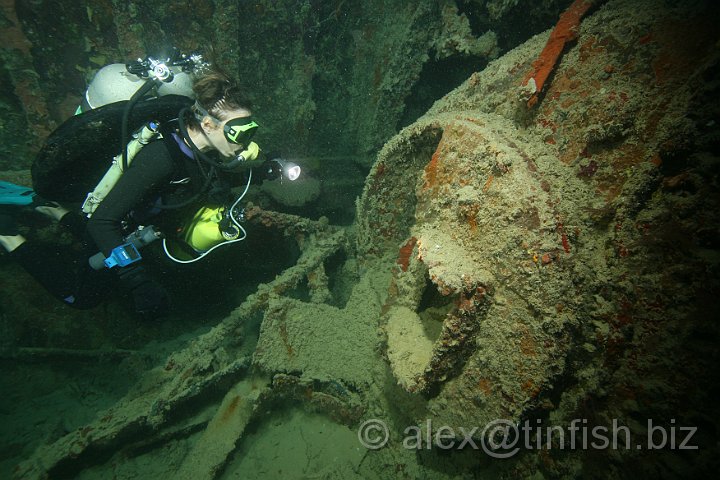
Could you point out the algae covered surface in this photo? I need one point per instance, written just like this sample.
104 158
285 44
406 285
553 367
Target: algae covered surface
485 276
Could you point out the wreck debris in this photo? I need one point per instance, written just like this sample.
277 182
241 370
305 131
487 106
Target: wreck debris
289 224
219 439
443 326
565 31
319 340
456 342
137 416
28 354
518 288
329 397
189 374
16 54
526 236
456 37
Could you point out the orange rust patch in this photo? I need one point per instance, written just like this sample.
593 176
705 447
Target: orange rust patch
565 242
286 342
565 31
476 121
588 49
471 217
380 170
568 90
485 386
488 182
405 252
527 345
530 388
431 168
230 409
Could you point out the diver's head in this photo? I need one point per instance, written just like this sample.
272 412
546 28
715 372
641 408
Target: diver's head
228 131
221 117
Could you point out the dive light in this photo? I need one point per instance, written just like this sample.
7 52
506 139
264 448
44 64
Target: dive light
284 169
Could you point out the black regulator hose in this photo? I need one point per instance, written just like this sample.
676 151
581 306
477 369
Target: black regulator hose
147 86
196 151
198 154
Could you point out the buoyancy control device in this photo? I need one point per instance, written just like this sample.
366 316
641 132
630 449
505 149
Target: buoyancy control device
121 98
75 156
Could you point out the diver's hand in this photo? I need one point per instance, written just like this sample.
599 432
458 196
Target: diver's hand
150 300
271 169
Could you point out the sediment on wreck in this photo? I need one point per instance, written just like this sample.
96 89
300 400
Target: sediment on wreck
554 210
537 264
192 377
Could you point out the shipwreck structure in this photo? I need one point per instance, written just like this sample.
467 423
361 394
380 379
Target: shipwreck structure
540 246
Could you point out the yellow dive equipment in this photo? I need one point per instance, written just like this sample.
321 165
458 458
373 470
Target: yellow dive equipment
209 227
141 138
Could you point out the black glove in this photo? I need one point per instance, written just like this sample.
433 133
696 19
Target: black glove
270 170
149 298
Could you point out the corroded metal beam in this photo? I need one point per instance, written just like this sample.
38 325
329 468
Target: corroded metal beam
189 374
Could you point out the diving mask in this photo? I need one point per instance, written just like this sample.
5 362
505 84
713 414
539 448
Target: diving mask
240 130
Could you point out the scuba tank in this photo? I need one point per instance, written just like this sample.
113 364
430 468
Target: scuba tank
118 82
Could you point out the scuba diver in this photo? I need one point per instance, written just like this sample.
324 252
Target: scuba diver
178 164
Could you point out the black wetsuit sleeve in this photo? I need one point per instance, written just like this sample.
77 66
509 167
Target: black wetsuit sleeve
150 170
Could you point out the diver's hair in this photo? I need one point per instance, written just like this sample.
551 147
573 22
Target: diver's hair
216 94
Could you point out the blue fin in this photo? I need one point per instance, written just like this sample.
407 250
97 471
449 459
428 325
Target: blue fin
11 194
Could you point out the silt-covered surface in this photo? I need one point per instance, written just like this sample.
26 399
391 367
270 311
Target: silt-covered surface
566 248
538 264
